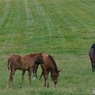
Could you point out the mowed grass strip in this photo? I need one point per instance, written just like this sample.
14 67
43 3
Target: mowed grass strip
62 28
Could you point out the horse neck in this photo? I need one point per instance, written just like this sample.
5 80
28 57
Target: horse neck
34 55
53 64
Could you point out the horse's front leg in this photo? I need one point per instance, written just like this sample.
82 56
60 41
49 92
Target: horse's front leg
29 74
46 84
23 72
41 75
35 71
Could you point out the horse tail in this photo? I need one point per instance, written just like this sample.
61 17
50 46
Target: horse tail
12 61
9 63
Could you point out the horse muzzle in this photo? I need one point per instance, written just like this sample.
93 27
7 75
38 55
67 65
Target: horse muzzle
55 82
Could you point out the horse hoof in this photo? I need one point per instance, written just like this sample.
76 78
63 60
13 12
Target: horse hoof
47 86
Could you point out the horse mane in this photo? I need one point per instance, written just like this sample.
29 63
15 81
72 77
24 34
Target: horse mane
93 47
54 63
33 54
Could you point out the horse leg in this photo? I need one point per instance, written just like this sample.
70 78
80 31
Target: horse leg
46 84
11 77
35 71
9 81
23 72
41 73
92 67
29 74
34 74
47 81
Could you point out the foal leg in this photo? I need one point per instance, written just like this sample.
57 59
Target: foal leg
11 77
29 74
41 75
34 75
23 72
46 79
35 71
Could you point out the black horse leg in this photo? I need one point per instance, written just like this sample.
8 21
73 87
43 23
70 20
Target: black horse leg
92 68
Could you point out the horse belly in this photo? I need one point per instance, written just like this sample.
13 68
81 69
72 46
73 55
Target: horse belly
23 67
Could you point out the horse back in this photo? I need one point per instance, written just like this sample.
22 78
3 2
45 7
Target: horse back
46 59
49 62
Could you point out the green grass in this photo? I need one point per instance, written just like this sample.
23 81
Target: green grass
63 28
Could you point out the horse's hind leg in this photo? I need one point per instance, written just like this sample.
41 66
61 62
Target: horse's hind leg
23 72
11 77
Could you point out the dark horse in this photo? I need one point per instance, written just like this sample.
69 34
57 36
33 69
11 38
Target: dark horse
92 56
24 63
49 66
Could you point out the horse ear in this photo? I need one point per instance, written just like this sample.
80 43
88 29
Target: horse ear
41 53
59 70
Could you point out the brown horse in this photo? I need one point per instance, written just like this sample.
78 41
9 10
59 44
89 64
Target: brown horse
49 66
92 56
24 63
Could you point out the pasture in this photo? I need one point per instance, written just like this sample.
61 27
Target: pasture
63 28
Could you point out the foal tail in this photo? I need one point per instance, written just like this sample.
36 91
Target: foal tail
9 63
13 61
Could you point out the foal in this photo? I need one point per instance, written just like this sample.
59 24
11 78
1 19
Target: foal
24 63
49 66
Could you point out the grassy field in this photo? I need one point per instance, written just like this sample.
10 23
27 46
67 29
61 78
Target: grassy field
63 28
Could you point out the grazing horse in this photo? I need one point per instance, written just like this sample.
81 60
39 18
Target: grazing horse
92 56
24 63
49 66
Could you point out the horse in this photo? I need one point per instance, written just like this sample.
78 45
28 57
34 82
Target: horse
92 57
49 66
24 63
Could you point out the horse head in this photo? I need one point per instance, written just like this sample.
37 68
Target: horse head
39 59
54 75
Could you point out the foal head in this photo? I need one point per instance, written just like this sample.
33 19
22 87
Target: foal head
39 59
54 75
